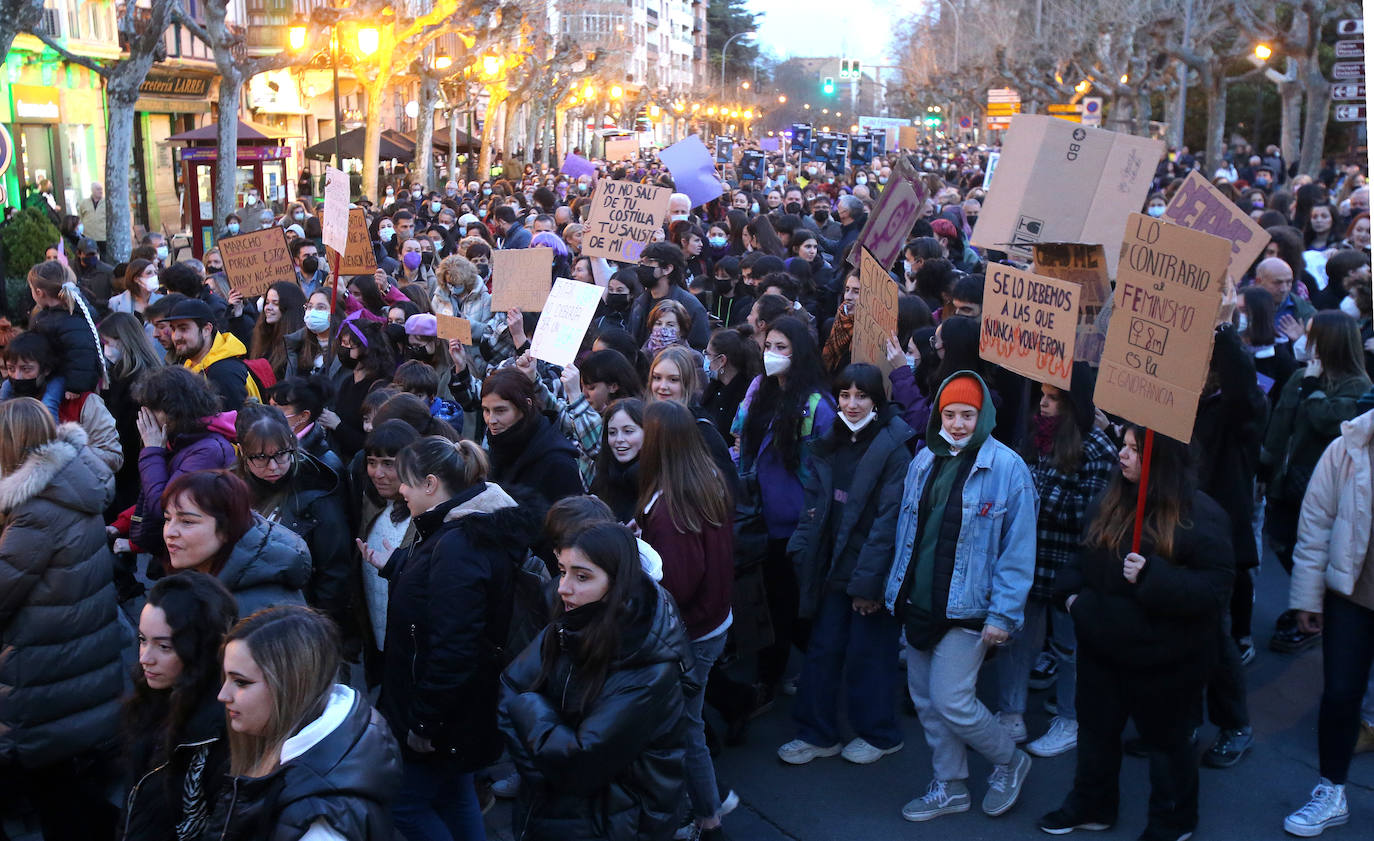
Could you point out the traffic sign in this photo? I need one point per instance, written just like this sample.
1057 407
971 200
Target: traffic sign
1003 109
1092 111
1350 49
1347 91
1350 113
1003 95
1057 108
965 122
1350 27
1347 70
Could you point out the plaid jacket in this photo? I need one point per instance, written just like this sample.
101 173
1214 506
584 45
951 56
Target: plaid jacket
1063 503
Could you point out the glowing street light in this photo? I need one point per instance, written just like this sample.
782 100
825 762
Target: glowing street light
296 36
744 85
491 65
748 115
588 91
442 62
782 99
617 91
1263 52
369 39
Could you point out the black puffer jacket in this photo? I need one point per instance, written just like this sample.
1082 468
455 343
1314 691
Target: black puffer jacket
612 770
60 640
342 769
535 455
269 566
447 619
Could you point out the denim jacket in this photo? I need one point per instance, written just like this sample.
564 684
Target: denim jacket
995 557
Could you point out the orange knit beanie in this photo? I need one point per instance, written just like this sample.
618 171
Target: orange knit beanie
962 389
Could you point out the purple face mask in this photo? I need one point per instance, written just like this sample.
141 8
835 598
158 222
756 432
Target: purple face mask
411 260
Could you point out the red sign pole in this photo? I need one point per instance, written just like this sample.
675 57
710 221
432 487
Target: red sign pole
1144 485
335 261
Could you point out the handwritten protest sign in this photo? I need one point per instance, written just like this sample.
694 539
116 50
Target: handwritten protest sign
1202 207
256 260
621 148
520 278
623 218
908 137
889 225
359 257
335 221
1169 286
1029 324
452 327
1085 265
564 321
875 315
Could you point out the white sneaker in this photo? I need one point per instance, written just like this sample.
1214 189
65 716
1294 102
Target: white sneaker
944 797
508 787
798 752
1327 808
1015 726
1062 737
860 752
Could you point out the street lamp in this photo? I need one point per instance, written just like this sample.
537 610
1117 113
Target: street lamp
782 99
369 39
723 48
617 91
491 66
1263 52
807 106
442 62
297 38
296 35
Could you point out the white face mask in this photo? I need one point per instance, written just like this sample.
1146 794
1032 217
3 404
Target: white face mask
1300 351
775 363
955 444
1350 308
1242 322
855 426
910 267
113 353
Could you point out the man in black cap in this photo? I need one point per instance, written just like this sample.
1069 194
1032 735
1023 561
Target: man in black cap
95 276
215 355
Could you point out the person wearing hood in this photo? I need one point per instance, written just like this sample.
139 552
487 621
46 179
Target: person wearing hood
449 604
182 431
526 448
963 566
206 351
842 550
592 710
177 751
291 487
58 622
309 758
1071 461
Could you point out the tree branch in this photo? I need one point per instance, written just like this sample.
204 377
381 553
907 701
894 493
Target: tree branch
71 57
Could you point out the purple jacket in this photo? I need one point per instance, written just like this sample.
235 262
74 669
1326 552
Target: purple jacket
780 488
212 449
915 405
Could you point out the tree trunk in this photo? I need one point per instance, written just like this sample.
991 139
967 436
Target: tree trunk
1214 87
372 136
1290 119
227 147
508 132
17 16
1318 111
488 134
453 173
424 131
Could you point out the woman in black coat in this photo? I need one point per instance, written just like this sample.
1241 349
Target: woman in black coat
592 709
526 448
448 615
1148 627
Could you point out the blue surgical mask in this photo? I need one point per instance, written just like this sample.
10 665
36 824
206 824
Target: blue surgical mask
434 206
317 321
232 227
386 234
1155 210
718 242
486 191
162 252
299 215
754 208
861 180
80 229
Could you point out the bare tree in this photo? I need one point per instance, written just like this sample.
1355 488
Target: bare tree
17 16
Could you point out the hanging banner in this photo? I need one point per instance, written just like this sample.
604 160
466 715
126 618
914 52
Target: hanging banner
1029 324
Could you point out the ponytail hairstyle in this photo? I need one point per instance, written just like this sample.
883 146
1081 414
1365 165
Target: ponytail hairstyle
458 464
58 281
1168 500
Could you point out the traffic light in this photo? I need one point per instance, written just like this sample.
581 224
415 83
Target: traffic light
844 68
850 68
828 85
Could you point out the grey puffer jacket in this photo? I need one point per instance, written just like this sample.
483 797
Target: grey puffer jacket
60 639
270 565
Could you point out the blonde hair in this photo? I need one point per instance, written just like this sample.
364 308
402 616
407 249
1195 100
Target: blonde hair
56 279
457 273
297 650
25 425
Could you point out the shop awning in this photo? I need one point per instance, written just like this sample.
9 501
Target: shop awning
248 132
394 146
465 141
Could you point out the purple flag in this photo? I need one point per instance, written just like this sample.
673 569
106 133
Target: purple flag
578 166
770 144
693 171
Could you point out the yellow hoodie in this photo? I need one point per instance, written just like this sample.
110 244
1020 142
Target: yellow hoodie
226 346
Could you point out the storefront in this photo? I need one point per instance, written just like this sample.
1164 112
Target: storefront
262 166
170 100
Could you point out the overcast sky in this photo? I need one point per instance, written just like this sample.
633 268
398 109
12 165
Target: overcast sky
858 28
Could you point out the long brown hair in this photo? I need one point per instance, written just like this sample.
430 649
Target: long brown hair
269 340
1168 500
25 425
675 464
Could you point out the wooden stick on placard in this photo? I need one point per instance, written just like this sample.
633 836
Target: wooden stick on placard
1143 488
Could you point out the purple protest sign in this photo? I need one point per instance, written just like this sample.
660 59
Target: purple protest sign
693 171
889 225
578 166
770 144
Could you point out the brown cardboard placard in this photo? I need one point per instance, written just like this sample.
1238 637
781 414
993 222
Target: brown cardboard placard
256 260
622 220
1085 265
521 277
359 258
1029 324
622 148
875 314
1060 182
453 327
889 225
908 137
1169 286
1202 207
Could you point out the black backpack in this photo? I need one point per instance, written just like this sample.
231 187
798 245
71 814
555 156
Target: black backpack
532 605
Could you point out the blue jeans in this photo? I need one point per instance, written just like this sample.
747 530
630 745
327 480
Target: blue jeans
856 655
701 774
1016 661
1347 656
437 802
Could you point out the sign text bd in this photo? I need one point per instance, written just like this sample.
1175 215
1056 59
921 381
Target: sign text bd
1085 265
875 314
1169 285
1029 324
520 277
623 218
359 258
256 260
1202 207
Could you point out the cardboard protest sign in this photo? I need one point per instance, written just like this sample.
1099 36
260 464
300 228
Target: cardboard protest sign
1060 182
1169 286
889 225
1029 324
623 218
692 169
909 138
335 221
1202 207
567 315
621 148
1085 265
875 315
359 257
452 327
256 260
520 278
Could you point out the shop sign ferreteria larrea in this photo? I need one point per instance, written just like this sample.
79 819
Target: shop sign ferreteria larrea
166 84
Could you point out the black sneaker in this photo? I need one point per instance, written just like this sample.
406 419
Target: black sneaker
1046 670
1293 640
1062 822
1229 747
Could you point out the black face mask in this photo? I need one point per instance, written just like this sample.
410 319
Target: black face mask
821 216
25 388
427 258
347 360
310 265
483 270
972 220
419 352
793 208
618 301
723 287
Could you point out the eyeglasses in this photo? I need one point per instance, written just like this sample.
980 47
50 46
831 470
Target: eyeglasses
279 457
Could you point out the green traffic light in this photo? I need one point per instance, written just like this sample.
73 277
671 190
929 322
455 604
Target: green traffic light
828 85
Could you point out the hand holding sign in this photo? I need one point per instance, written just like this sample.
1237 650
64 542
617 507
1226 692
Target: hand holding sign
564 321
